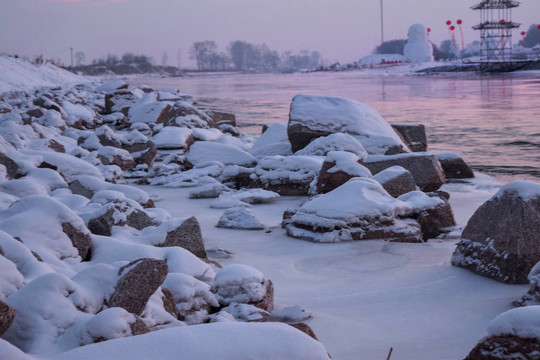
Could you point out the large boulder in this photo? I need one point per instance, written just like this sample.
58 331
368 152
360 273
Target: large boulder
172 137
424 167
239 217
313 116
502 238
360 209
139 280
414 136
121 100
203 151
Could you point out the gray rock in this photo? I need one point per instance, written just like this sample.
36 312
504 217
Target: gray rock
454 166
432 221
187 236
185 114
139 281
502 238
414 136
239 217
424 167
119 101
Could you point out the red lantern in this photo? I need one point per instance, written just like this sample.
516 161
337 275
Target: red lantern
523 33
502 21
428 30
538 27
448 23
452 28
459 22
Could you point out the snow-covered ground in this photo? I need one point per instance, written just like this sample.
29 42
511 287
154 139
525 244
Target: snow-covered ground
19 74
366 296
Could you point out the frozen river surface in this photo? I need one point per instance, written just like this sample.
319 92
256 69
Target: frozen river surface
492 121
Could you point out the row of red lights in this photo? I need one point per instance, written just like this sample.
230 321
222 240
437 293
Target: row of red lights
459 22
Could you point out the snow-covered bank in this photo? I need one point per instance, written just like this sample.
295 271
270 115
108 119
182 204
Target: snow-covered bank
19 74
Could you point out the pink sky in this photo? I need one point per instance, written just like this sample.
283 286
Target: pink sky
342 30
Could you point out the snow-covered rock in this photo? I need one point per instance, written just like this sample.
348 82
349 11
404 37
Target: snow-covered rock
454 166
172 137
424 167
414 136
321 146
313 116
204 151
239 217
396 180
502 240
338 168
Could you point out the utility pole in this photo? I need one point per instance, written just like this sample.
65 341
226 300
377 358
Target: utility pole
71 49
382 23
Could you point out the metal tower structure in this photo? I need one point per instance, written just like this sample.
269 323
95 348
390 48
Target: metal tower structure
496 33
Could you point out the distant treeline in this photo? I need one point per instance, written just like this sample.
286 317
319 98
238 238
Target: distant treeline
241 55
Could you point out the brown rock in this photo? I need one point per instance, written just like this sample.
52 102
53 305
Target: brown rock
300 136
396 180
185 114
433 220
81 241
305 328
221 118
168 302
56 146
502 238
414 136
505 348
140 280
187 236
327 182
123 162
7 314
424 167
267 302
12 167
79 189
138 327
119 101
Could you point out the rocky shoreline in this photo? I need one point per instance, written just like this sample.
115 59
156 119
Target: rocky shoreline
103 262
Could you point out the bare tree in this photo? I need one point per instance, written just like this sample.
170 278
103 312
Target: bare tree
164 58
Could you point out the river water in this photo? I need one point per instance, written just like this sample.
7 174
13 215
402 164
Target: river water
493 121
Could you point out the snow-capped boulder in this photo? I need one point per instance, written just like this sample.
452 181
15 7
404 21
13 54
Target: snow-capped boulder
396 180
59 235
432 211
424 167
188 236
243 284
209 190
287 175
7 315
414 136
256 196
273 141
532 297
113 209
149 111
204 151
185 114
142 149
139 281
112 85
338 168
220 118
502 238
192 299
515 334
313 116
321 146
109 155
121 100
360 209
239 217
172 137
454 166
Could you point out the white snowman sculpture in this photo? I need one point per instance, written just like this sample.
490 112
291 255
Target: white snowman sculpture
418 48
